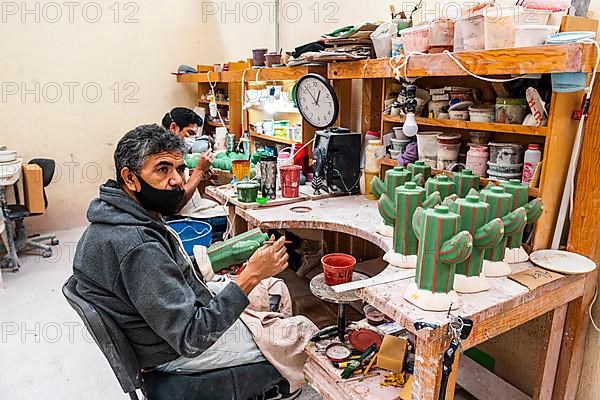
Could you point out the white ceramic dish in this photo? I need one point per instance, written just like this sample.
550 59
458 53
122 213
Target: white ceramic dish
8 155
563 262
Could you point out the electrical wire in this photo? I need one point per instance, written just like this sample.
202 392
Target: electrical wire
212 91
590 311
398 63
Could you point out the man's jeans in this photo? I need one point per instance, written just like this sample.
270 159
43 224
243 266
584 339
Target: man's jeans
235 347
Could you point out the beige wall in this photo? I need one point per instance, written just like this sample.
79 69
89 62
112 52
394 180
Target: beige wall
80 133
62 48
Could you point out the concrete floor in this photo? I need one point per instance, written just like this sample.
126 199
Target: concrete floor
45 350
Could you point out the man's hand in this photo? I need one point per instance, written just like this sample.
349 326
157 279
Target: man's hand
266 262
204 162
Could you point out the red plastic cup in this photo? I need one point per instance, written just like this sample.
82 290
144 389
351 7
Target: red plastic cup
338 268
290 180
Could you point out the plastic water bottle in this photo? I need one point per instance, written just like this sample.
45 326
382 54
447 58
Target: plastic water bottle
532 158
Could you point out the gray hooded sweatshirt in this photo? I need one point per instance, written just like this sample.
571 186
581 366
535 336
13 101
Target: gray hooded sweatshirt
129 264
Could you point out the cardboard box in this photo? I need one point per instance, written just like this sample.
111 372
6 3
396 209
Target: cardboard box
33 188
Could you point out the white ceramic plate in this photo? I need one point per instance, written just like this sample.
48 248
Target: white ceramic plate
563 262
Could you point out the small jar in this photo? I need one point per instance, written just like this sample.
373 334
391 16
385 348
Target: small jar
374 152
510 111
448 149
477 158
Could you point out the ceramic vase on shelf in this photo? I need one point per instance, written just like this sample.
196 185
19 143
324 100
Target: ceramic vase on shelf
399 213
486 233
513 221
465 181
440 183
520 193
420 167
441 247
394 177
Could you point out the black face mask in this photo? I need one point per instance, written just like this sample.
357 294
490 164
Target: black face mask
164 202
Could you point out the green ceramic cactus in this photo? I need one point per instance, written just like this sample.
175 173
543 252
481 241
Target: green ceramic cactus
441 247
534 208
486 232
377 187
236 250
399 213
419 167
440 183
394 177
465 181
500 207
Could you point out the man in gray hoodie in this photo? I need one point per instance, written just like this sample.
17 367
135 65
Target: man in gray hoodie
131 265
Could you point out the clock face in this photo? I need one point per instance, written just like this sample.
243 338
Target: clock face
317 101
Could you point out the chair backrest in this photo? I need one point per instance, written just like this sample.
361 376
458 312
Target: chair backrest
109 337
48 166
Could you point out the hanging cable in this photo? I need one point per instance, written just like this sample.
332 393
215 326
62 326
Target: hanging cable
212 91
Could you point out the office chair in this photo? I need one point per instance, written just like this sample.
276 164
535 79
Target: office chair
18 212
239 383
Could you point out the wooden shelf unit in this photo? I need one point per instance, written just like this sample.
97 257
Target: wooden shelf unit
233 91
217 124
473 126
269 76
219 103
557 138
573 57
274 139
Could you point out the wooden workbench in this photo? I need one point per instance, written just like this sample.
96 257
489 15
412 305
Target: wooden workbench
504 307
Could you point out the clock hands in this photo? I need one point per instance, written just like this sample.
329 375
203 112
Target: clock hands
317 100
311 95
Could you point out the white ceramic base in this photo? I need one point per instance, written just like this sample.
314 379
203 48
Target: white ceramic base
400 260
470 284
496 269
385 230
518 255
428 301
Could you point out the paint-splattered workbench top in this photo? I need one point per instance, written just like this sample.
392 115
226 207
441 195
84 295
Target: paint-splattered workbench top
505 306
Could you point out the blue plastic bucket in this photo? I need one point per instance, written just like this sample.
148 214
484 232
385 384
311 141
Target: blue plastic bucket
192 233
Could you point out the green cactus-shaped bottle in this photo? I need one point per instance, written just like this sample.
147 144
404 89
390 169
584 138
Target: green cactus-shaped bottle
400 213
394 177
500 207
377 187
236 250
465 181
486 233
534 208
441 247
440 183
419 167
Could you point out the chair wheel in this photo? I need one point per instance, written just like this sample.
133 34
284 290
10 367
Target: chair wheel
47 253
54 242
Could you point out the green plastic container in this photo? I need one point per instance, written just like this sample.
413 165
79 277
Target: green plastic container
247 192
